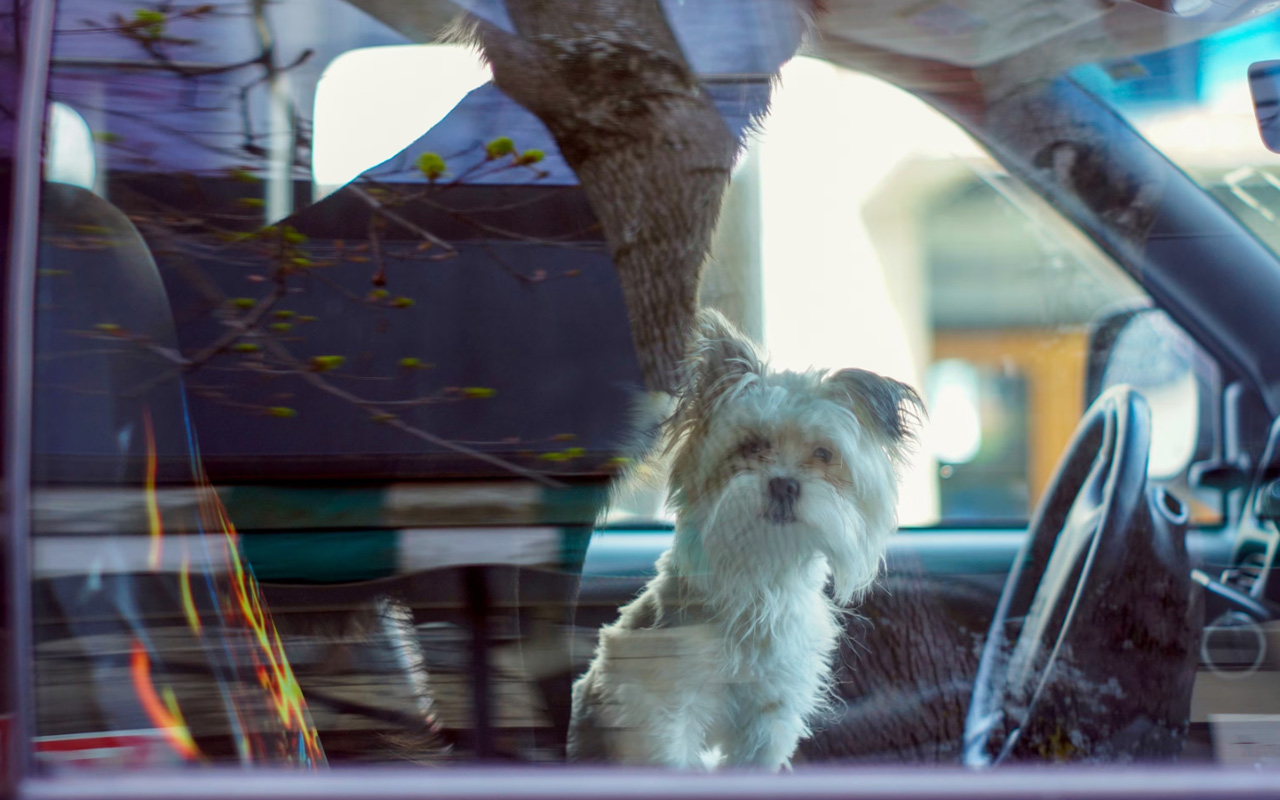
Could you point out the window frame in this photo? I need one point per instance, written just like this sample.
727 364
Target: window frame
33 46
622 784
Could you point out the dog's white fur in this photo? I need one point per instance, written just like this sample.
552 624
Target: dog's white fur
782 482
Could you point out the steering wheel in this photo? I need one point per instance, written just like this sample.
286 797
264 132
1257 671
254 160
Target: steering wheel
1091 651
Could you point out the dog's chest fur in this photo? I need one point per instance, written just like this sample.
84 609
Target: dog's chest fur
776 639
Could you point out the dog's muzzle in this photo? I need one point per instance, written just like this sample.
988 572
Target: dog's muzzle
783 494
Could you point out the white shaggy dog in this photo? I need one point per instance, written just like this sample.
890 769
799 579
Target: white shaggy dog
781 482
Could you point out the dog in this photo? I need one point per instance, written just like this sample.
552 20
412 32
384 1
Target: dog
782 483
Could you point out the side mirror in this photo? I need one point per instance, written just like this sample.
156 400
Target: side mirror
1140 346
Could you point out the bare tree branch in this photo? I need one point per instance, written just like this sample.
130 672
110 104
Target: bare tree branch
392 216
318 381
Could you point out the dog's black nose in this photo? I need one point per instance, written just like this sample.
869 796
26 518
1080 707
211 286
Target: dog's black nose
787 489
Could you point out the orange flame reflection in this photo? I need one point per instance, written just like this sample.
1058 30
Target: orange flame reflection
276 676
164 716
243 620
153 506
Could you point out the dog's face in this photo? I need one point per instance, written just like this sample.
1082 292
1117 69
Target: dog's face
772 469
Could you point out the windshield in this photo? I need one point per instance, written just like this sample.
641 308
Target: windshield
1193 102
463 382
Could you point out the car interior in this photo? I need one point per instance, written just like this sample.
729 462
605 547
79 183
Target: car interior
325 465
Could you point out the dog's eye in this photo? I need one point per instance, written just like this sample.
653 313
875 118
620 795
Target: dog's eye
823 455
754 447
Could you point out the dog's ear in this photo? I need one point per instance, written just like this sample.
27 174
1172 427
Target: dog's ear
891 408
719 360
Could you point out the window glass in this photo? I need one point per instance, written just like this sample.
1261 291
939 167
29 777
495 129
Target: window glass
340 357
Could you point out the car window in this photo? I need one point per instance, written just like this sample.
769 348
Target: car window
341 362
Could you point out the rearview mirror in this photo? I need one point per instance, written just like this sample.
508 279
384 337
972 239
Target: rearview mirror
1264 85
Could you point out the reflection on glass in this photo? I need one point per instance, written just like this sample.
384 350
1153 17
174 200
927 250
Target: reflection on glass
70 156
293 250
149 623
362 119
